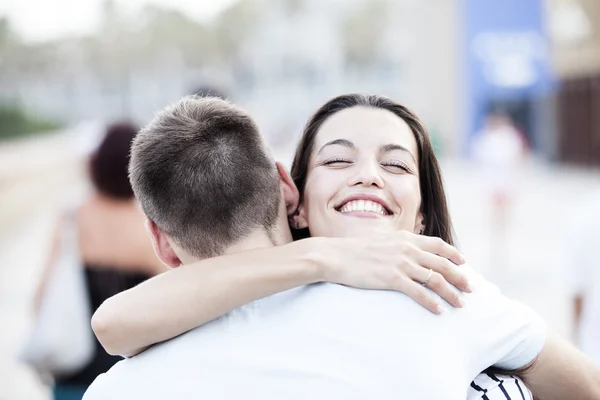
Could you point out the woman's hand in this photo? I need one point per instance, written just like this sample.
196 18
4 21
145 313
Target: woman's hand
399 261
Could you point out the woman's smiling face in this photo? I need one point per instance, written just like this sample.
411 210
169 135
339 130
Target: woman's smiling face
363 176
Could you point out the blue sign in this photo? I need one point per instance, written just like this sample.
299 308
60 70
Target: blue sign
507 52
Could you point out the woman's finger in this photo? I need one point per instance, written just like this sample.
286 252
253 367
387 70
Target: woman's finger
435 245
421 295
436 283
449 271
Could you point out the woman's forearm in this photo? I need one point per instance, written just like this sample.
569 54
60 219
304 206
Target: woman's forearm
191 295
563 372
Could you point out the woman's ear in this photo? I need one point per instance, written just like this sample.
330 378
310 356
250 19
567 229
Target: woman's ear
289 191
299 220
419 224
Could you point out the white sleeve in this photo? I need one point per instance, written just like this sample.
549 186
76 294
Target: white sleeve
502 332
98 389
526 340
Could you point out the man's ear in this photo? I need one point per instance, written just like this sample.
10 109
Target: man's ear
162 247
288 188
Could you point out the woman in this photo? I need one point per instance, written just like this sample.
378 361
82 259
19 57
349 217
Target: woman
113 246
326 165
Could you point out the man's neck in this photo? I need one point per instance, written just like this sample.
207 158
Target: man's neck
259 239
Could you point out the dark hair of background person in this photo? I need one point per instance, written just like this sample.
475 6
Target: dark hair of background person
204 176
433 198
108 164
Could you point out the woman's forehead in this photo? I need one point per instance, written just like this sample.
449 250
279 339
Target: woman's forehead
366 126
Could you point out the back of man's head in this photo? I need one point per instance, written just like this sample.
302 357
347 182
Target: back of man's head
203 175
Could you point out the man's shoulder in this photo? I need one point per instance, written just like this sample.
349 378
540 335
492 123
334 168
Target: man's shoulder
482 285
125 378
327 296
104 384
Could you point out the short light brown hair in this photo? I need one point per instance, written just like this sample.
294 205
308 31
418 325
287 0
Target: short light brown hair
203 174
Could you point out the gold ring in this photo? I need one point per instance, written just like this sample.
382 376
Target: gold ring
428 277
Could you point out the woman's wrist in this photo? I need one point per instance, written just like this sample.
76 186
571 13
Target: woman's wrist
318 254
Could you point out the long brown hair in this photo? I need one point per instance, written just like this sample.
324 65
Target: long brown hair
433 197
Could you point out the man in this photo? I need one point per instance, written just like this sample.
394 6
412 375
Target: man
209 186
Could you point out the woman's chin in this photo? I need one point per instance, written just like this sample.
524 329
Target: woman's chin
364 215
362 227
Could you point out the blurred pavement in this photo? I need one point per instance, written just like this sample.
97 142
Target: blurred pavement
36 176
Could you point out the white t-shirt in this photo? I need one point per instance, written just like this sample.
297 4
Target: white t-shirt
327 341
583 264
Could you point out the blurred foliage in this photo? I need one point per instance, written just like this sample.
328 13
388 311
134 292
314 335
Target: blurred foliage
233 26
126 42
361 30
16 122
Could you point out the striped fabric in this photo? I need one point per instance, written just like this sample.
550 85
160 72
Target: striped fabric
487 386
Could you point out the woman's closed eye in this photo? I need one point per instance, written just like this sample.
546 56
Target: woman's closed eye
337 162
396 166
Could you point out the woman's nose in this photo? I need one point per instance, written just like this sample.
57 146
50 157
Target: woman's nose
367 175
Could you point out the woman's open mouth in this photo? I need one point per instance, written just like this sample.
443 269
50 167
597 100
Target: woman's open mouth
363 208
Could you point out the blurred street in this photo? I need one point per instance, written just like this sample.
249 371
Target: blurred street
47 167
51 170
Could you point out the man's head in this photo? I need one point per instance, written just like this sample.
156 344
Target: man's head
205 179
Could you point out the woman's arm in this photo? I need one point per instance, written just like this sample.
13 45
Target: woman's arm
189 296
186 297
562 372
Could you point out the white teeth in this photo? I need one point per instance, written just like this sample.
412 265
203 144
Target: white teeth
363 206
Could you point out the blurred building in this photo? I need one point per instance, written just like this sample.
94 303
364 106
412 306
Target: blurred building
576 55
306 51
279 58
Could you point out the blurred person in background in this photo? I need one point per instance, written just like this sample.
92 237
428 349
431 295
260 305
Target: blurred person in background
351 342
583 272
114 248
499 149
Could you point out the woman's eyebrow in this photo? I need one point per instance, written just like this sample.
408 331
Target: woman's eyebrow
392 147
341 142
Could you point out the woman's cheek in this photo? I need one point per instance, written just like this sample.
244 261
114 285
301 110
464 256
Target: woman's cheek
408 197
